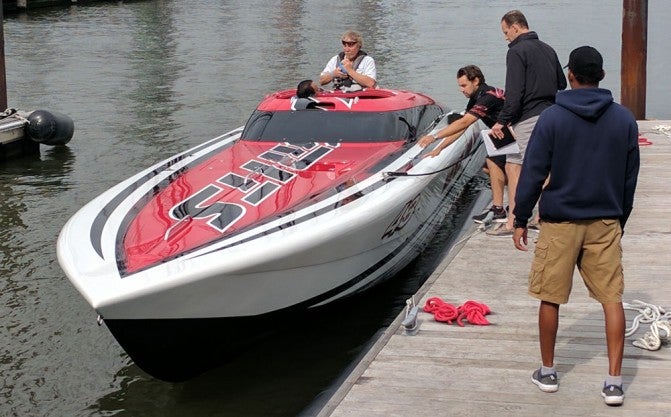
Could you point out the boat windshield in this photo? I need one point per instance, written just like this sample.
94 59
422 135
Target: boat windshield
328 126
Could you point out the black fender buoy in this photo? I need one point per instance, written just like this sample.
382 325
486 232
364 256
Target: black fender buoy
50 127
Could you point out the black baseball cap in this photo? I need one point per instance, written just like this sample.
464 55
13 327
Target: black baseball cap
586 61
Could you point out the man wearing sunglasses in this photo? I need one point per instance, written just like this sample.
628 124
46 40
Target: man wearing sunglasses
352 69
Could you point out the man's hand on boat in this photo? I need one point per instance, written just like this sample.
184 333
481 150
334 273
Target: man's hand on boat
445 142
426 141
434 153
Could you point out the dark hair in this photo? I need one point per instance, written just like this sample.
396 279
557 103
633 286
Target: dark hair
471 72
589 79
305 89
515 16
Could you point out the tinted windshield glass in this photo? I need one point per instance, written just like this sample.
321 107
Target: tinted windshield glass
317 125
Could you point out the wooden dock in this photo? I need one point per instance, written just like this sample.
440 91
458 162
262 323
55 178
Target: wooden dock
447 370
10 6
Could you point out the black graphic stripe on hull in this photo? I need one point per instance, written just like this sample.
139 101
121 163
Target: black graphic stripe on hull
123 273
130 215
95 234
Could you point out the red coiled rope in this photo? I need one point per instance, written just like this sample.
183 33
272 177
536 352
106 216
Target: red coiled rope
643 141
473 311
441 310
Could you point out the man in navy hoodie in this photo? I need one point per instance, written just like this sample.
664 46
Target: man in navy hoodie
588 145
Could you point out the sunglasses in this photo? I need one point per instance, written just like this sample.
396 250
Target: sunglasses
347 43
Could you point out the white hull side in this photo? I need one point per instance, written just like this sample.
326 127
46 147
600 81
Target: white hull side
327 254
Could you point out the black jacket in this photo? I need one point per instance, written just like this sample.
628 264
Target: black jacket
533 76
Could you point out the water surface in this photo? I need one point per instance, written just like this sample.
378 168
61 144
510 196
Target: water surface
146 79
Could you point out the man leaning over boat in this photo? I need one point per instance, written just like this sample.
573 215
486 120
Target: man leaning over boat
484 103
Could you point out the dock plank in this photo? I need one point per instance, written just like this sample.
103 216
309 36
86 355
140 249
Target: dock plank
449 370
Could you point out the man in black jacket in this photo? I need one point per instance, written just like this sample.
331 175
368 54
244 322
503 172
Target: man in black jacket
533 76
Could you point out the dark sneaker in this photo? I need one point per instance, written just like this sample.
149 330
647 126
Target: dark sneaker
612 394
500 216
547 383
483 217
494 214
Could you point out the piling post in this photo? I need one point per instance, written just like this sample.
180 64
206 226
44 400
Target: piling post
634 56
3 76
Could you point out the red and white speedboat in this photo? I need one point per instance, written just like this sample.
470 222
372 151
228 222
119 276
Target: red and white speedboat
295 210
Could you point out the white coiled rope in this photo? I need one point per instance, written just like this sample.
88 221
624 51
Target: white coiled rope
662 129
657 317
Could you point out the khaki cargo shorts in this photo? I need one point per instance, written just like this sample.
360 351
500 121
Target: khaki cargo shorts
592 245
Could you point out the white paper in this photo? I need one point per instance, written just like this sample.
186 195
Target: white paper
491 149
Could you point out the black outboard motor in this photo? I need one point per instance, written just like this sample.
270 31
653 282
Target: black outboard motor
50 127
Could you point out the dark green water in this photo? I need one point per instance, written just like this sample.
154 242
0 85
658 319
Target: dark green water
146 79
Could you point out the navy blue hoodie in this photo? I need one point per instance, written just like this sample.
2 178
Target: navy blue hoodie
588 144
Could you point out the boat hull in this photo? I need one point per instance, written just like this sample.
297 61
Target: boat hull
200 255
179 349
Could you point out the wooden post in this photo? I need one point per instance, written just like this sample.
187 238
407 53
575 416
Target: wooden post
634 56
3 76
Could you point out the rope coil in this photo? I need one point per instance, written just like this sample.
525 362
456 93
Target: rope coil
471 311
657 317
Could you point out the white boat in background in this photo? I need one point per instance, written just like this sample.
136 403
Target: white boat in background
293 211
22 132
